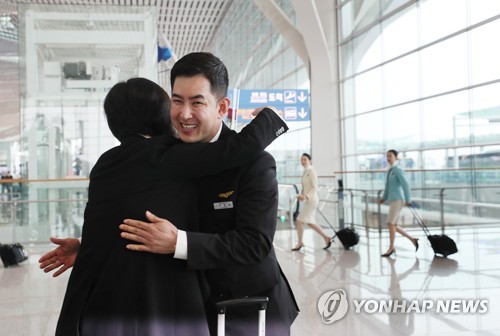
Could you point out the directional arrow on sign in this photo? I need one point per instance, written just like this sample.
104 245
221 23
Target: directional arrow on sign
302 97
302 113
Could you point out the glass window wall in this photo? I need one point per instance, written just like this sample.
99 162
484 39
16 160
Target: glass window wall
400 81
484 53
445 66
440 18
368 91
423 79
446 120
69 57
399 33
257 57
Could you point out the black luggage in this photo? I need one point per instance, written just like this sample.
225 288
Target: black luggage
12 254
441 244
260 301
348 237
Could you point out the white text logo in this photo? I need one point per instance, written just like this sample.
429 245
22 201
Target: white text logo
415 306
332 305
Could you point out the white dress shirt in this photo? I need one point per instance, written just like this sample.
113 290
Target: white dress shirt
181 243
181 248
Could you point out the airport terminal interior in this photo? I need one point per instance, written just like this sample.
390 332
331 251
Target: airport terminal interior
353 79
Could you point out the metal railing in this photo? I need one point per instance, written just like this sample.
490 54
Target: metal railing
361 207
34 210
289 207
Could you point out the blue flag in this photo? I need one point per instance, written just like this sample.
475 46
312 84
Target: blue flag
165 51
164 54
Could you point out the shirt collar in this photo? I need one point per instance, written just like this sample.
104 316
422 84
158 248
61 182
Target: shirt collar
216 137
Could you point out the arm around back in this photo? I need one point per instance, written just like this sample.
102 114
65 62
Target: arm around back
201 159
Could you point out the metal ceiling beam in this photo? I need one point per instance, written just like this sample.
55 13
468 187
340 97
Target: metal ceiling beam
71 16
88 37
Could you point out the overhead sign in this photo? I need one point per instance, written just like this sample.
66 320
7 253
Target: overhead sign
293 105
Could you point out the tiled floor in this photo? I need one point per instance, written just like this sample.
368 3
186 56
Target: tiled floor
30 300
472 273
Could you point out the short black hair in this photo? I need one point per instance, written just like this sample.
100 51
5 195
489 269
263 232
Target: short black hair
137 106
205 64
393 151
307 156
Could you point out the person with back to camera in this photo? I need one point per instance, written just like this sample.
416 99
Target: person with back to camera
116 291
397 194
309 196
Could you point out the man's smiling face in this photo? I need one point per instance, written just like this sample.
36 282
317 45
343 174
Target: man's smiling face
196 113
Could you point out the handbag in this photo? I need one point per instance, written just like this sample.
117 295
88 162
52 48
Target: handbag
12 254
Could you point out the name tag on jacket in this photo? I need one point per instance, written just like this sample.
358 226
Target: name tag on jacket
223 205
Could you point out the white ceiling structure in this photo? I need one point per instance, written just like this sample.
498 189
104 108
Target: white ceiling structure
188 25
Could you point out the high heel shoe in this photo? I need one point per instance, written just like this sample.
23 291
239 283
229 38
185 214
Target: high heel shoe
416 244
389 253
328 245
298 247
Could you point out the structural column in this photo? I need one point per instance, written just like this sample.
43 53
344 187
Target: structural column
317 24
315 42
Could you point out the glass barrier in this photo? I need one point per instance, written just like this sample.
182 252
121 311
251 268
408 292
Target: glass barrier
34 210
449 198
328 208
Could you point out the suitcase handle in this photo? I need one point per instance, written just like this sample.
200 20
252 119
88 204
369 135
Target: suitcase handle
419 219
221 306
261 301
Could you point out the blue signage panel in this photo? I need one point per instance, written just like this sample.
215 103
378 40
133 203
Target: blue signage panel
293 105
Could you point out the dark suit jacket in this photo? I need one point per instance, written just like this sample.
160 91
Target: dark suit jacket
235 246
115 291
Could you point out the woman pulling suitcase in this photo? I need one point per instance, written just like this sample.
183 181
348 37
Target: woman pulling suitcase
397 194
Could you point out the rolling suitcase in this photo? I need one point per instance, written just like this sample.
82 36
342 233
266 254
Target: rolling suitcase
260 301
441 244
12 254
348 237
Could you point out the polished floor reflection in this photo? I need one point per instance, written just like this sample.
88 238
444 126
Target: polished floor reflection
472 274
30 300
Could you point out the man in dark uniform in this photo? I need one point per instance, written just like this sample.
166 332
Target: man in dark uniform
237 210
